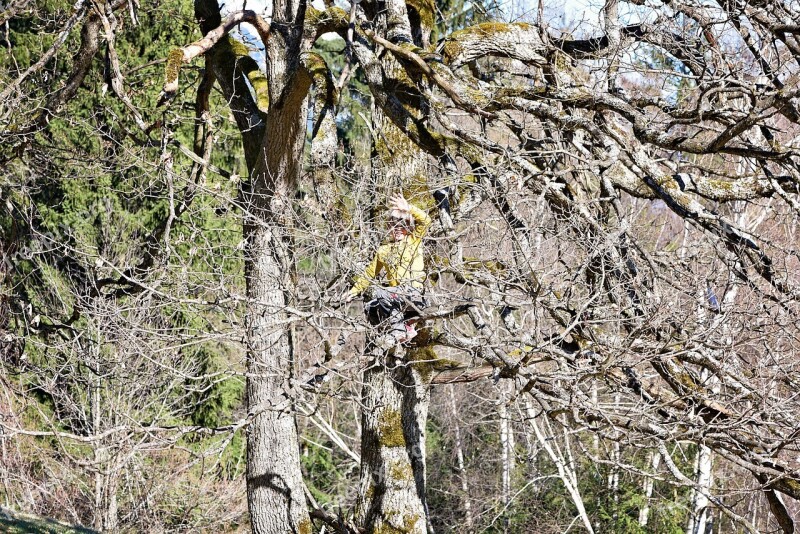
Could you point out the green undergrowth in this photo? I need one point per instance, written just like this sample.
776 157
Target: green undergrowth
18 523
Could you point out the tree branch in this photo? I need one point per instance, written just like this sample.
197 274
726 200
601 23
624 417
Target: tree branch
178 56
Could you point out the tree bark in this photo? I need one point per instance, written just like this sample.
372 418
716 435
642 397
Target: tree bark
507 450
699 513
275 485
273 143
392 481
396 397
565 472
644 512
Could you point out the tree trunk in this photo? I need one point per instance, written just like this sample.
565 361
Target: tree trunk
392 482
395 398
460 458
275 486
276 496
698 515
565 472
507 451
99 456
613 473
8 345
644 512
273 144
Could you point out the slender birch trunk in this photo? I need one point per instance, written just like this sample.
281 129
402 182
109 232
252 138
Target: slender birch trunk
565 473
613 473
507 458
462 474
97 445
613 33
644 513
699 512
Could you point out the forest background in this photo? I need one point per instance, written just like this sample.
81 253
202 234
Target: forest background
611 341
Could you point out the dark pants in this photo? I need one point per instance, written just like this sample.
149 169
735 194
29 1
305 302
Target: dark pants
393 306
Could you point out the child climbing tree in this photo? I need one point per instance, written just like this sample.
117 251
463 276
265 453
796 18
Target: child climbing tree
393 302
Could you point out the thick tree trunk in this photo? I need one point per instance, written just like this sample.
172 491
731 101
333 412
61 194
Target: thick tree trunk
275 486
396 397
276 497
273 144
392 485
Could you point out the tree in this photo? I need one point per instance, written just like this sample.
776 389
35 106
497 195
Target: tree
588 207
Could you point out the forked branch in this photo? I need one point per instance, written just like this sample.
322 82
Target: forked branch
178 56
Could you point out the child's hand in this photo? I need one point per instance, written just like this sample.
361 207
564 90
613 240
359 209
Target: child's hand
398 202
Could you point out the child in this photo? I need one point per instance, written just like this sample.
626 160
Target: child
400 259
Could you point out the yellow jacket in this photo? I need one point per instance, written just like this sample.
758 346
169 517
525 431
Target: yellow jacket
401 260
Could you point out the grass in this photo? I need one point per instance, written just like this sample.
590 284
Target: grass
19 523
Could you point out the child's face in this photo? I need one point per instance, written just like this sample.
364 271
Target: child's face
397 231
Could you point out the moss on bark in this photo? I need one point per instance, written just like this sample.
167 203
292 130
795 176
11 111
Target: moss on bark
390 429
